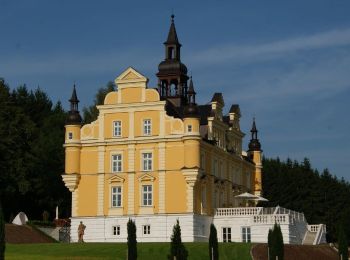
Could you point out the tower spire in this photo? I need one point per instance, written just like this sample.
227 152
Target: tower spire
254 144
74 117
172 73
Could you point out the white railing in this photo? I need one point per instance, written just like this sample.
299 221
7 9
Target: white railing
272 219
320 235
248 211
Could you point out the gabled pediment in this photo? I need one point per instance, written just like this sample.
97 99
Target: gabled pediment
130 75
116 178
146 177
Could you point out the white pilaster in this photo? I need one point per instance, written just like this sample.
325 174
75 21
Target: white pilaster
74 203
100 180
131 192
131 124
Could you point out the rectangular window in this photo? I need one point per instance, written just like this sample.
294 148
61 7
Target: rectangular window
246 235
146 229
189 128
116 196
146 195
117 128
226 234
147 161
147 127
116 230
116 163
70 135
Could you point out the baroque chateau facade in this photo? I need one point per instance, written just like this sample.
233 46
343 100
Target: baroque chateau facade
154 155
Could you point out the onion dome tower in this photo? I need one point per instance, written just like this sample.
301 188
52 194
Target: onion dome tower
172 73
255 154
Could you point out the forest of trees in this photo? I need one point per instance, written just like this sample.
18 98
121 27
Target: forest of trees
31 153
32 161
296 185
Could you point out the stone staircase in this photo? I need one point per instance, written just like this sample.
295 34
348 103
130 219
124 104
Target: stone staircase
309 238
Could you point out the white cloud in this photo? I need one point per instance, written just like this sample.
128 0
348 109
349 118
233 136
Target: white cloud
271 50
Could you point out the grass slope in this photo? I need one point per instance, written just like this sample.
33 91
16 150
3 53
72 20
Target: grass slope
151 251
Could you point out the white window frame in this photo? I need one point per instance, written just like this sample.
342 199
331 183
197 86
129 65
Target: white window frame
147 161
115 127
116 196
149 195
226 234
118 163
189 128
246 236
146 229
147 127
70 135
116 230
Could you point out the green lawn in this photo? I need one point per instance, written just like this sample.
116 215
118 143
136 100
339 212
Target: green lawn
152 251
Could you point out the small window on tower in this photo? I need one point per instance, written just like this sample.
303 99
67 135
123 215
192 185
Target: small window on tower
70 135
189 128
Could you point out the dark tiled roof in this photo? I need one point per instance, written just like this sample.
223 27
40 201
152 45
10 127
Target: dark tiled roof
217 97
234 109
204 113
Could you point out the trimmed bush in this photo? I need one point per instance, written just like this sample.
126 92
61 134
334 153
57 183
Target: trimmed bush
213 243
132 242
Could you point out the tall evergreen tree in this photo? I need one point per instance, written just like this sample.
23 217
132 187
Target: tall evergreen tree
213 243
91 113
2 234
342 244
177 248
275 243
132 242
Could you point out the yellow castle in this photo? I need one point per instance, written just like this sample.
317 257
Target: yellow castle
155 156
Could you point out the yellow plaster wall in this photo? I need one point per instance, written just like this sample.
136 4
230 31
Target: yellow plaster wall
142 115
111 98
175 200
75 130
108 124
174 156
72 162
152 95
89 160
131 95
87 195
192 153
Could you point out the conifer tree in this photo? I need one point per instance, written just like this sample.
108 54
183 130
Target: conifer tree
177 248
132 242
2 235
213 243
342 244
275 243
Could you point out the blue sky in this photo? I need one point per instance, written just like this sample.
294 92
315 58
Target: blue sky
286 63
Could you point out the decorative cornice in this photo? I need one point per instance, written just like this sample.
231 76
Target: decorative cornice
71 181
